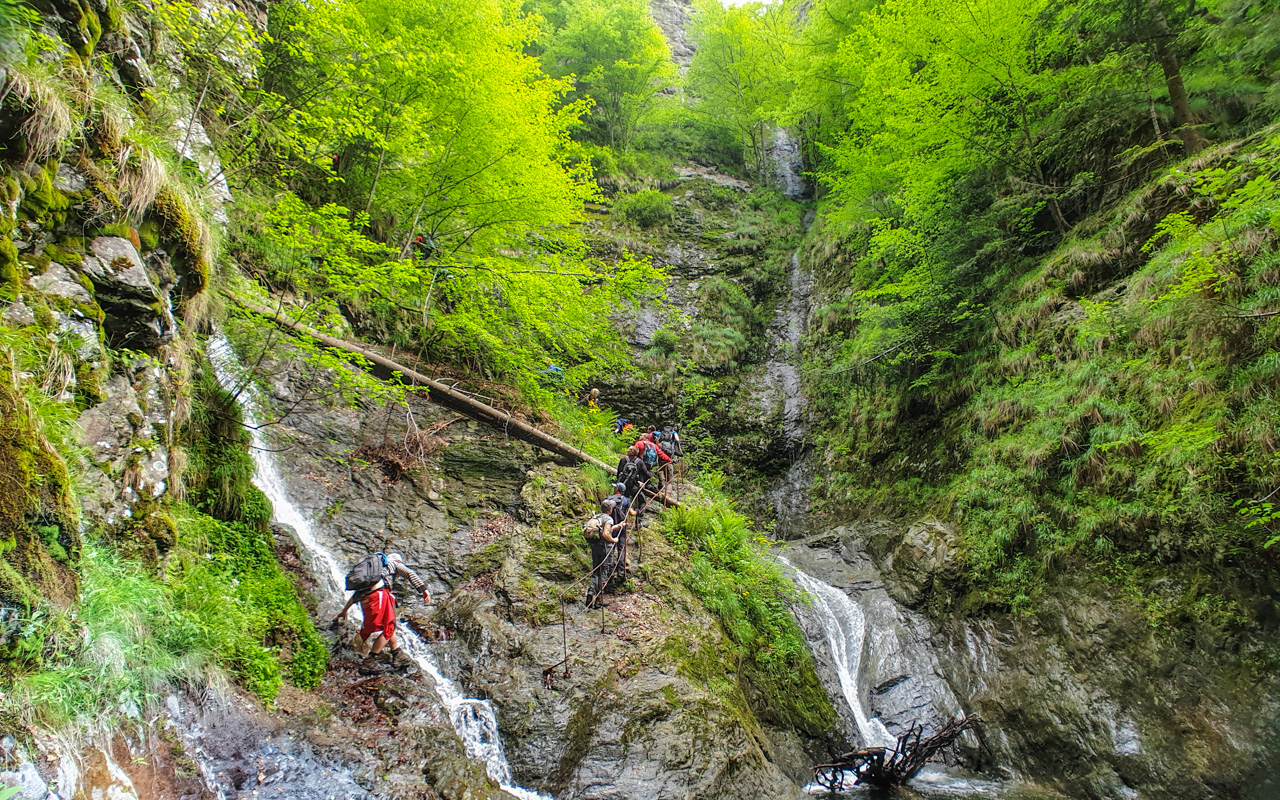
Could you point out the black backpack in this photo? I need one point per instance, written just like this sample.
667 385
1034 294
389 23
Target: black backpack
367 572
629 475
668 446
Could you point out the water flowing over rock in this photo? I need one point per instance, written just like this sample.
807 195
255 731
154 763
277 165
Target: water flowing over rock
475 721
1056 692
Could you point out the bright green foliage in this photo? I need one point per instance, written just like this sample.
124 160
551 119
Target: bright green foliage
242 608
224 601
497 314
739 72
219 474
738 583
616 56
1116 428
646 209
430 114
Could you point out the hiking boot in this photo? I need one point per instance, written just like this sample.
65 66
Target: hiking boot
374 664
399 660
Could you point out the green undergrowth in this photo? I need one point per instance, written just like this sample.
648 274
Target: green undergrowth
698 559
39 519
223 604
1109 406
731 571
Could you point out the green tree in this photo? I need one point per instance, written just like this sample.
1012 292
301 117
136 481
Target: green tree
740 72
1148 32
615 55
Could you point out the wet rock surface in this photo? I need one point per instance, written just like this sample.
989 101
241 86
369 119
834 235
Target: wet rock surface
628 721
900 678
1080 695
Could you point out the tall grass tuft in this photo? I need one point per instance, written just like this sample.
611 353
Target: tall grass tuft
131 650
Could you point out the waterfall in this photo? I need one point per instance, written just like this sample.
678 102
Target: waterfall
790 494
845 630
474 720
788 166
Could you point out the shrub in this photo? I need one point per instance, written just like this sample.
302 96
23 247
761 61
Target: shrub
646 209
746 592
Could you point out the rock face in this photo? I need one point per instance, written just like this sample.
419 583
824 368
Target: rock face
1080 695
899 677
673 17
137 312
650 707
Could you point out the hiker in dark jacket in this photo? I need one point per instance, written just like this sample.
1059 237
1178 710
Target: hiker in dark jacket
621 505
378 608
632 471
604 552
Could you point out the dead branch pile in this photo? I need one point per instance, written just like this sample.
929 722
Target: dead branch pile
491 530
885 767
396 459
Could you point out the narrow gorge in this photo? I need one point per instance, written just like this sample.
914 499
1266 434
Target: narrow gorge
965 317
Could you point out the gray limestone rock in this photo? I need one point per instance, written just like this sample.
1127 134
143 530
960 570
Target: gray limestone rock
69 179
18 315
81 334
58 281
115 262
137 315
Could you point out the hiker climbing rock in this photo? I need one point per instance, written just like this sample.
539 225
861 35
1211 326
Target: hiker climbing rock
622 509
598 531
621 426
370 582
653 457
591 400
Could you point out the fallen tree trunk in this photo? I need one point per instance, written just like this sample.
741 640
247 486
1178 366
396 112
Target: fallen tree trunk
439 393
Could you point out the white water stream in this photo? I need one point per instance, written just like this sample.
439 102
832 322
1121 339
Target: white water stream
845 630
476 721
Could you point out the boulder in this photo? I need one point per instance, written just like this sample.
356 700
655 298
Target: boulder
136 311
18 315
58 281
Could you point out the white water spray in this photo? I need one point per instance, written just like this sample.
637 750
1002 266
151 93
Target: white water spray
474 720
845 629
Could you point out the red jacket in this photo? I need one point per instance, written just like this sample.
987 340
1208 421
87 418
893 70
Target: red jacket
645 441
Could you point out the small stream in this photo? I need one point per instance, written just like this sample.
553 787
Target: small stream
474 720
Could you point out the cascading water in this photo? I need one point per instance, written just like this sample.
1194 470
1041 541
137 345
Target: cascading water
474 720
790 495
845 629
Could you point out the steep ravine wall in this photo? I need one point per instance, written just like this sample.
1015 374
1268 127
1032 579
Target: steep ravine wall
488 521
1082 696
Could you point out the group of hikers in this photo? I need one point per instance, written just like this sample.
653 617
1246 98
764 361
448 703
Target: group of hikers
648 464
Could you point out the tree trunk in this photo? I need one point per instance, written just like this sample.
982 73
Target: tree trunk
440 393
1193 140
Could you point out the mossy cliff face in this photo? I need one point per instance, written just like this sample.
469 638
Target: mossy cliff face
39 520
709 353
656 705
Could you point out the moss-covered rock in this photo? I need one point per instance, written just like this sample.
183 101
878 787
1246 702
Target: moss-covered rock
39 518
10 276
42 202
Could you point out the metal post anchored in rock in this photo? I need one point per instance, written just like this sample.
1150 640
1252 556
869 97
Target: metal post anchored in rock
885 767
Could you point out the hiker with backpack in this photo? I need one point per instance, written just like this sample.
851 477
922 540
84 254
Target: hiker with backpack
653 456
370 582
669 443
598 531
633 472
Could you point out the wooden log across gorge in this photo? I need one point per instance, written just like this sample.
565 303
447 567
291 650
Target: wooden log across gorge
440 393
